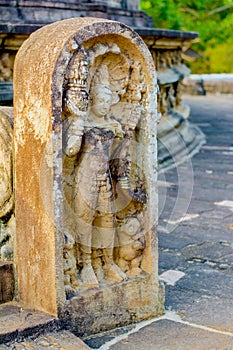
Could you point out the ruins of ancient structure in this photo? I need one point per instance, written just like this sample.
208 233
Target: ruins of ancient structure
177 138
85 194
78 201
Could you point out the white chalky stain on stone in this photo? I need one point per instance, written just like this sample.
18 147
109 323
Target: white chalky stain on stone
171 276
217 148
165 184
186 217
225 203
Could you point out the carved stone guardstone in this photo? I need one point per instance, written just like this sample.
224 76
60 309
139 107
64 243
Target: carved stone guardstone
85 175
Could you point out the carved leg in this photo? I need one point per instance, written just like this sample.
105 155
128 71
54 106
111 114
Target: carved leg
112 271
88 277
123 264
97 263
84 221
135 270
98 268
104 238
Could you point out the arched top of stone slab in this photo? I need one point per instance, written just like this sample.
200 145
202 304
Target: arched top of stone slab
44 71
43 59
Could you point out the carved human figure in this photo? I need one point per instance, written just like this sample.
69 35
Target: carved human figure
94 198
131 246
75 103
98 166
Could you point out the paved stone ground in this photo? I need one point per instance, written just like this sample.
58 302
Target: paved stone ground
195 245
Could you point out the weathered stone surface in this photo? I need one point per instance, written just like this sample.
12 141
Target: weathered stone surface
113 306
7 222
200 308
46 12
6 282
6 162
53 340
171 335
17 322
57 128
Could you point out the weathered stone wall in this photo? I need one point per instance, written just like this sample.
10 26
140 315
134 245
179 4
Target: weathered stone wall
201 84
44 12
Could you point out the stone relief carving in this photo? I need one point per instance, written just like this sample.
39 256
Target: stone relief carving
6 188
169 98
70 265
6 66
131 246
171 71
103 183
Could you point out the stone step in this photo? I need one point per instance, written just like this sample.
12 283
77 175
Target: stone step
17 323
60 340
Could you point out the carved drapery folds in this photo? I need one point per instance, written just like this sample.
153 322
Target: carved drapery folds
104 183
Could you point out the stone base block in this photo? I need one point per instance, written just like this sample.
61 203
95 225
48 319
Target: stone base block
6 282
113 306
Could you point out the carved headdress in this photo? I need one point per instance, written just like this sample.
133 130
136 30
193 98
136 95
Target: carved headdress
78 70
101 78
75 98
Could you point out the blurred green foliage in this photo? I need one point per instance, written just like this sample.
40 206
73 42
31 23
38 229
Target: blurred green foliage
212 19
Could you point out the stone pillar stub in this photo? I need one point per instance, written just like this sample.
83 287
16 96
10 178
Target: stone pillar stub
65 265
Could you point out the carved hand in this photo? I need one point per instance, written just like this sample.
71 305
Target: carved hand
73 145
73 137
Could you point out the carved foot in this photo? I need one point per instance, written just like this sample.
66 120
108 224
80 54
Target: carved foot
88 278
134 272
114 273
99 273
75 285
98 269
69 289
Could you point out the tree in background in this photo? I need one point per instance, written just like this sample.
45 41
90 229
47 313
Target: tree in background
212 19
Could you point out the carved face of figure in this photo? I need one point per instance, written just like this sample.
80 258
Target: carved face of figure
101 101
